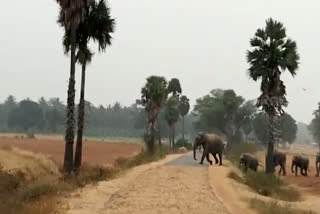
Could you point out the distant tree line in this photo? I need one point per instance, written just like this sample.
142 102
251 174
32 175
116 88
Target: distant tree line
49 116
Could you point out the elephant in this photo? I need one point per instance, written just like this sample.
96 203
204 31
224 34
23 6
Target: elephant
250 161
302 163
211 143
280 158
318 163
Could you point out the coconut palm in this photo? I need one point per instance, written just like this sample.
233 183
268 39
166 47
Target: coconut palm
272 53
71 14
97 26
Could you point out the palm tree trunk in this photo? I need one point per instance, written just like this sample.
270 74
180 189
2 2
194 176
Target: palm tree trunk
69 136
81 111
269 156
153 132
159 134
183 131
173 136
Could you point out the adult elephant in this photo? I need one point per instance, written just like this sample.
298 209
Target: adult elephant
302 163
280 159
318 163
212 144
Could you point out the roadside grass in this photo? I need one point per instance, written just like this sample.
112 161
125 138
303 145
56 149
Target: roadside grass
273 207
264 184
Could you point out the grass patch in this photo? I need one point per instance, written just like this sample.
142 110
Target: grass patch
271 186
273 207
233 175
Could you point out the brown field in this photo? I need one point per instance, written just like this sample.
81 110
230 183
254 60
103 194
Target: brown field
94 151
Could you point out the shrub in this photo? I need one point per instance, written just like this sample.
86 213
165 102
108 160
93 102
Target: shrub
38 188
273 207
270 185
233 175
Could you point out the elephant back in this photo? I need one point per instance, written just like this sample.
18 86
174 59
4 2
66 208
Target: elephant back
214 142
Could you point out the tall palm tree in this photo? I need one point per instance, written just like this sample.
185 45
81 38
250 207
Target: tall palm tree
184 107
153 96
71 14
272 53
97 26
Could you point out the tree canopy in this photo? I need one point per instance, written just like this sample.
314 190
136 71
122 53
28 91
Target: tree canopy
223 111
26 115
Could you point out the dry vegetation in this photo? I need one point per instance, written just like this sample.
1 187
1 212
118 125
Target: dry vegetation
273 207
29 182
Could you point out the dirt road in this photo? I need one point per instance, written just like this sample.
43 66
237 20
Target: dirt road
176 184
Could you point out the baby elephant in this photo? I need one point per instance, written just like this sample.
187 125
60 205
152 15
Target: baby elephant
280 159
249 161
302 163
318 163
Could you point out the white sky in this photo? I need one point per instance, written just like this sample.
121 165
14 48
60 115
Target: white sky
203 43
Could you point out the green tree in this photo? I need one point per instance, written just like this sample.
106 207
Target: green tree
153 96
272 53
288 128
71 15
260 127
314 126
184 107
172 116
26 115
174 87
222 111
54 118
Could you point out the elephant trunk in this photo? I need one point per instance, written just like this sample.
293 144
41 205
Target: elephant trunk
194 151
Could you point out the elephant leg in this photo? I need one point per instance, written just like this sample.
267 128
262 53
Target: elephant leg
204 154
301 171
215 157
296 169
317 167
208 159
280 170
220 157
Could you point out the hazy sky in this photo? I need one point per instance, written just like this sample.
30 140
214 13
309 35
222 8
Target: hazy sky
203 43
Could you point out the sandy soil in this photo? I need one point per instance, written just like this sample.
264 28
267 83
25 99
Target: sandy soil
94 152
173 185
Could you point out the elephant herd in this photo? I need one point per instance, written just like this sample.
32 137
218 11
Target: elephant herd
213 144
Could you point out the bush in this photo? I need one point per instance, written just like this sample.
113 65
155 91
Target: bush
270 185
38 188
273 207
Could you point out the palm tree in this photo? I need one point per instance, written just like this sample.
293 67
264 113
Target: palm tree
97 26
172 115
153 96
71 14
184 107
272 53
